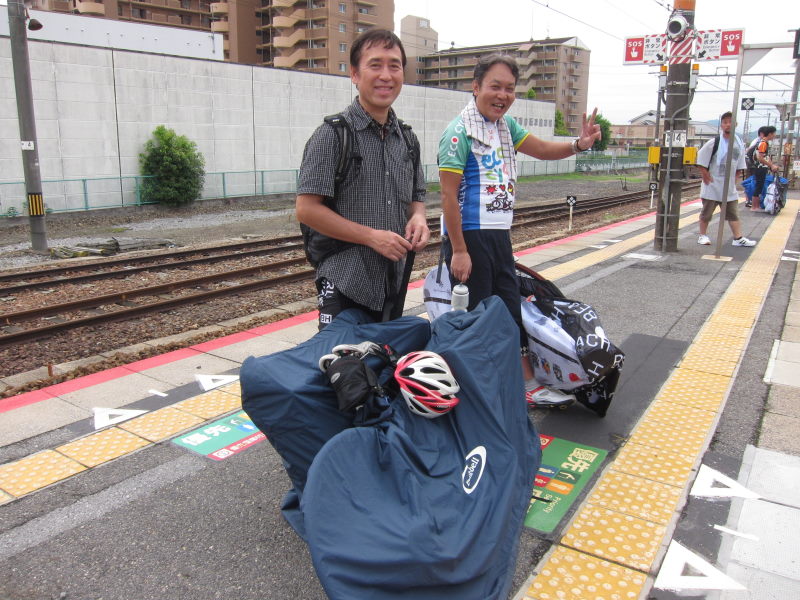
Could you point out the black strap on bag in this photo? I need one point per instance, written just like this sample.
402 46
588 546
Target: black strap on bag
316 245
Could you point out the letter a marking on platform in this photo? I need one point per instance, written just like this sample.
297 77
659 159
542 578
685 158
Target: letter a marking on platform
209 382
671 577
704 486
103 417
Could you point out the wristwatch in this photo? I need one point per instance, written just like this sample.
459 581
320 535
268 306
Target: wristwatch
576 149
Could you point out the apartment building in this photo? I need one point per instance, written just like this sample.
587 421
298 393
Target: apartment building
641 132
307 35
419 39
556 69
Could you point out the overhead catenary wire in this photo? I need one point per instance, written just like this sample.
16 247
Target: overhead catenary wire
547 5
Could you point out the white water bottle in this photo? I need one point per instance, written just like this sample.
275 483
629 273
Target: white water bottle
460 297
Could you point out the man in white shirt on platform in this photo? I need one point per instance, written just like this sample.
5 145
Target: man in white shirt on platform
713 175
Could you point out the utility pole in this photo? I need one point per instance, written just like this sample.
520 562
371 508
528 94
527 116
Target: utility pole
27 124
679 31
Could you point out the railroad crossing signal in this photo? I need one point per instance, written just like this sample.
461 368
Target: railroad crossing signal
748 103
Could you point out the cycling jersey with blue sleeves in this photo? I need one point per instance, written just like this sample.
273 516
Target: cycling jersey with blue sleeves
486 193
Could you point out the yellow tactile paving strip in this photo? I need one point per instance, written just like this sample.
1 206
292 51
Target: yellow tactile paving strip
161 424
51 466
211 404
37 471
579 576
615 536
629 513
103 446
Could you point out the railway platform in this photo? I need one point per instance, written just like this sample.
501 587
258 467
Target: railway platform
147 481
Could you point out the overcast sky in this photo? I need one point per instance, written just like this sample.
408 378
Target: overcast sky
622 92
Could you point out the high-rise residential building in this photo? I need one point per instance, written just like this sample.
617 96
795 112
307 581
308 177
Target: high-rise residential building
419 40
307 35
555 69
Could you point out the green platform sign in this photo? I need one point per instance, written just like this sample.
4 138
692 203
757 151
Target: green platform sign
223 438
566 468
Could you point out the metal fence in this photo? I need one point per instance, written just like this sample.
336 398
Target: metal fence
65 195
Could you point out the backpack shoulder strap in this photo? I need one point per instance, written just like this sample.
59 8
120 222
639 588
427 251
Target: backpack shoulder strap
344 133
412 143
713 153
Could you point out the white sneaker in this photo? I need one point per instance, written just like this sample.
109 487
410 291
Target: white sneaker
543 397
743 241
703 240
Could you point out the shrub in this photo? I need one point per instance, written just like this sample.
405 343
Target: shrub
175 167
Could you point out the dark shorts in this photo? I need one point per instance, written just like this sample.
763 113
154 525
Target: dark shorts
331 302
761 175
709 206
493 272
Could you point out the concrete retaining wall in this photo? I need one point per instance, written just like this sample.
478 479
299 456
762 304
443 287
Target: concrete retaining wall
96 107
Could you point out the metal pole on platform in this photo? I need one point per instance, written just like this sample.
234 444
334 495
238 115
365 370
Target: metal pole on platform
17 18
677 119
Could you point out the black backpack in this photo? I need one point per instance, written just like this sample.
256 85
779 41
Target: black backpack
317 246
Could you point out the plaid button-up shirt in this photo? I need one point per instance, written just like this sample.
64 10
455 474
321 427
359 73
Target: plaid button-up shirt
377 195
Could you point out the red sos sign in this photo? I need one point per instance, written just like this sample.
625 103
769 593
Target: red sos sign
634 50
731 42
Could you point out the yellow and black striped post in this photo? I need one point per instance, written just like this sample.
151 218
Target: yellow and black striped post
36 205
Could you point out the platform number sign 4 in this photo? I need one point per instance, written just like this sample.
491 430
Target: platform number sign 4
571 200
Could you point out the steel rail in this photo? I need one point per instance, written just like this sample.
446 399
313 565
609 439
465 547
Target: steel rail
127 313
551 212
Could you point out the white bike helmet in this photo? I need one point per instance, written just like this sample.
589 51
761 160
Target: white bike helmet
426 383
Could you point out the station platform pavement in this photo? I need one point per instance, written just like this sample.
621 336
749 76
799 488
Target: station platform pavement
700 494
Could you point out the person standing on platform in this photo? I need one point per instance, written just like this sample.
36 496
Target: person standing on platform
748 158
378 210
478 174
763 164
713 176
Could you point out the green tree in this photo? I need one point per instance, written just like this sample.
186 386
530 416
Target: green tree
531 94
561 126
605 131
175 166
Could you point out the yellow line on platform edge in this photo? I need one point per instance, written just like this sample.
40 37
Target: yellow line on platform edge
577 565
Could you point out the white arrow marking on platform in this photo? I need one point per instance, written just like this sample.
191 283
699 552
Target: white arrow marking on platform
704 485
157 393
612 241
599 246
748 536
639 256
790 258
209 382
103 417
791 252
671 576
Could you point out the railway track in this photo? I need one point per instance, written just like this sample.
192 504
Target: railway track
283 263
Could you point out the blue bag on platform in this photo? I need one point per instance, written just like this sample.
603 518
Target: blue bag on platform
431 509
749 186
291 402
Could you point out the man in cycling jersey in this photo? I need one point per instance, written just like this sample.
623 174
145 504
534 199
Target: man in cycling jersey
478 173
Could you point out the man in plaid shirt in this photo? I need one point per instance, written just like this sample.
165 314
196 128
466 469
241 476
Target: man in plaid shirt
378 209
